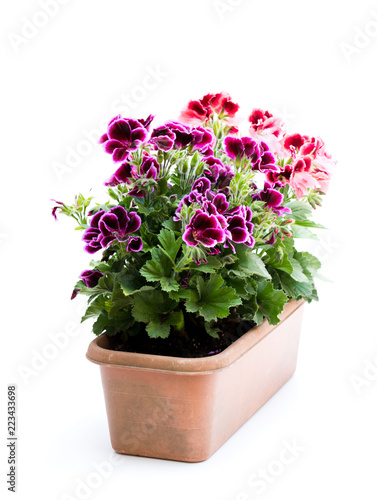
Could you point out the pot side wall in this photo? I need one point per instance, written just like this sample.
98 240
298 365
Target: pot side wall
188 415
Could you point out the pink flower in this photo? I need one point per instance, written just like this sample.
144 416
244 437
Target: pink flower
268 128
199 112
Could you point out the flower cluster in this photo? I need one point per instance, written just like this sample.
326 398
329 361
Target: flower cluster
200 221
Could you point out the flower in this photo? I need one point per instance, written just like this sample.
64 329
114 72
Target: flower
90 278
238 148
117 224
92 235
114 225
123 136
240 227
149 167
267 128
60 204
123 175
202 138
205 229
163 138
200 111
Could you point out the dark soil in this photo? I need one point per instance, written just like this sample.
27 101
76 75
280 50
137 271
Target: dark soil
194 343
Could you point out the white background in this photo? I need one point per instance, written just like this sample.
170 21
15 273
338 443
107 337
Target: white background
313 63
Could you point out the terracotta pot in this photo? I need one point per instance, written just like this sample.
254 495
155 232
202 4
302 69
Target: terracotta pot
186 408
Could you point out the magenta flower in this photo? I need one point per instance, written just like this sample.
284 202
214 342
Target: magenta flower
163 138
117 224
92 235
90 278
202 138
240 227
123 136
238 148
205 229
134 244
123 175
60 204
201 185
149 167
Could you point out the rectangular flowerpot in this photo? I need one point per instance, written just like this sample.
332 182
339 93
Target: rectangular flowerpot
186 408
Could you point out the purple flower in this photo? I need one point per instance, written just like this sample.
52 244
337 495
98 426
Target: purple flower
270 196
149 167
147 121
246 146
163 138
212 168
201 185
92 235
183 136
205 229
90 278
267 159
240 226
123 136
117 225
114 225
123 175
202 138
60 204
134 244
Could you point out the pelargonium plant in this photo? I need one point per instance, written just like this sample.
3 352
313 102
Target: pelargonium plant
199 226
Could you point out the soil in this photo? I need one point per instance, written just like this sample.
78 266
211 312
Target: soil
194 343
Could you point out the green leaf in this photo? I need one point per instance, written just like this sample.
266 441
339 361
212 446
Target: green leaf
169 243
148 306
248 264
297 272
293 288
160 266
303 232
278 259
169 284
210 266
300 210
95 308
309 223
158 330
214 298
270 303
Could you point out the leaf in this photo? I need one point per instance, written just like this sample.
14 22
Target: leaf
95 308
210 266
214 298
148 306
300 210
158 330
169 284
158 267
169 243
293 288
278 259
248 264
303 232
297 273
270 303
309 223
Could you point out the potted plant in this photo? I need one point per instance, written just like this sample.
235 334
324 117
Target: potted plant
195 266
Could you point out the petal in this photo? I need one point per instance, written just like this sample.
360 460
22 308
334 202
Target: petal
134 223
220 203
111 145
134 244
188 237
121 215
233 146
95 219
109 224
119 130
120 154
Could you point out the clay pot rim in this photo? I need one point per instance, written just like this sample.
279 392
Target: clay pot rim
98 353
